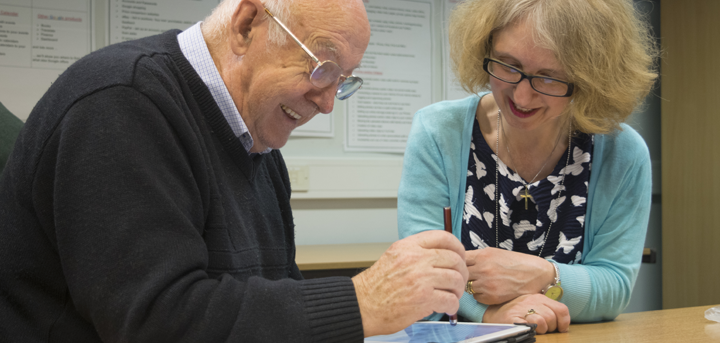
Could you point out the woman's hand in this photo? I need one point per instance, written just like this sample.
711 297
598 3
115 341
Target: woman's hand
499 275
548 314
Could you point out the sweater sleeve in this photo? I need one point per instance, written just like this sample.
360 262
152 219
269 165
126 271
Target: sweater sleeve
600 288
131 222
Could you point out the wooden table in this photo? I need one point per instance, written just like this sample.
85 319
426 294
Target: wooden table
339 256
684 325
345 256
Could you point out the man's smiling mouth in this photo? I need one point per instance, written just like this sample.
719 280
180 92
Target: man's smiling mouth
290 112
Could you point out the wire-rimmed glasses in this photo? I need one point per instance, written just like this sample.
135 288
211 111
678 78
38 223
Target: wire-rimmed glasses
542 84
326 72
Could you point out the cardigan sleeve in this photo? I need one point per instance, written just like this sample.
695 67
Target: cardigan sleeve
618 212
425 190
433 175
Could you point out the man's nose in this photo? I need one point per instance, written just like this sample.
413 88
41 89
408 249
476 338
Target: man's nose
324 98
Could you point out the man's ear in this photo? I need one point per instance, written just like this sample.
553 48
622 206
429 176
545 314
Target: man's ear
246 20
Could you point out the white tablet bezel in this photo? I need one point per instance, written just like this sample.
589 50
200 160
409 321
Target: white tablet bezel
512 330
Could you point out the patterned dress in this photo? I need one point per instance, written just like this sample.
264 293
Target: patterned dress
561 203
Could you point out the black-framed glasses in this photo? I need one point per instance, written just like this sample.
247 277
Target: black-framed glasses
541 84
326 72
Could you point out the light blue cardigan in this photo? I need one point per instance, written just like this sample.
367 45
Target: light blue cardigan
618 207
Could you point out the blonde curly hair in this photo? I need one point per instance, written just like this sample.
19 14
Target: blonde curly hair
605 47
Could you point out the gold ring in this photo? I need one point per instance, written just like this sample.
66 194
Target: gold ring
529 312
469 287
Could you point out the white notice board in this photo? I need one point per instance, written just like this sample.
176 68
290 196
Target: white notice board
39 39
452 89
133 19
397 70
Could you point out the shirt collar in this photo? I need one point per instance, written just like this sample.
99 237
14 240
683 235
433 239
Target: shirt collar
193 46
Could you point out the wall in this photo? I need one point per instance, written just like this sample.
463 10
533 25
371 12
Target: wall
690 123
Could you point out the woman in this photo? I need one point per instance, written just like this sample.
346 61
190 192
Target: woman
548 237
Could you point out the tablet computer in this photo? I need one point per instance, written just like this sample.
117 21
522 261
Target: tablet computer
443 332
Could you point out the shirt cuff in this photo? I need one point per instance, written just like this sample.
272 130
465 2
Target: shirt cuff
332 309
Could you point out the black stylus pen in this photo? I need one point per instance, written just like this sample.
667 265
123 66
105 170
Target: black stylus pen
448 228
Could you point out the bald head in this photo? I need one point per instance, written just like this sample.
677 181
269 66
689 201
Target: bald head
351 12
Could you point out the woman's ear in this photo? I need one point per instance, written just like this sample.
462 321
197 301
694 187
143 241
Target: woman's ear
246 21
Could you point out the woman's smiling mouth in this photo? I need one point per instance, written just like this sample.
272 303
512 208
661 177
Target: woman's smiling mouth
521 112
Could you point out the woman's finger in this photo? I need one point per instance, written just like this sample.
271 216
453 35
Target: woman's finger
536 318
550 319
562 315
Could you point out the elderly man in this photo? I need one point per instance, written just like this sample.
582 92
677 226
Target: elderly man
144 200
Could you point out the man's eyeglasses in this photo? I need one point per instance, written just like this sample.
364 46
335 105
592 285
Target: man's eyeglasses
326 72
541 84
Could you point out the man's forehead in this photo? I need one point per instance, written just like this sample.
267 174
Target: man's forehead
336 30
328 49
341 17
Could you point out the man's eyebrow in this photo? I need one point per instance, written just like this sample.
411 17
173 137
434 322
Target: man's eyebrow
327 45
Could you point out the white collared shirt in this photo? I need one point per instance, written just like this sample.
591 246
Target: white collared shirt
192 44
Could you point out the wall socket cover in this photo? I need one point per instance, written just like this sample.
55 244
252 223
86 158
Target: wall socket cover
299 178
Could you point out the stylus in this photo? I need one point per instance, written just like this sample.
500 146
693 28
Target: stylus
448 228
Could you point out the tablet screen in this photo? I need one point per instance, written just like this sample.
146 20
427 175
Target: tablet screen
443 332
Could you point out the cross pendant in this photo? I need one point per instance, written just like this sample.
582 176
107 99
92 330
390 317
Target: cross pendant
526 196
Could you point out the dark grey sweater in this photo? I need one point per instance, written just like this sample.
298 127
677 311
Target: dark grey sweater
129 212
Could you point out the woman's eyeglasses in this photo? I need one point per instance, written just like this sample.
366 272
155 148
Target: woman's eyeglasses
326 72
541 84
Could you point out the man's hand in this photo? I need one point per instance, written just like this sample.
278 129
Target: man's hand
549 315
420 274
499 275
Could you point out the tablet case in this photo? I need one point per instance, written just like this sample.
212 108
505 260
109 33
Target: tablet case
525 337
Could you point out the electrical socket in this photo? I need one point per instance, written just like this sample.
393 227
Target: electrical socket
299 178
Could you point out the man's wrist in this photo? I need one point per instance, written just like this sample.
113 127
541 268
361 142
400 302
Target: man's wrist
361 293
